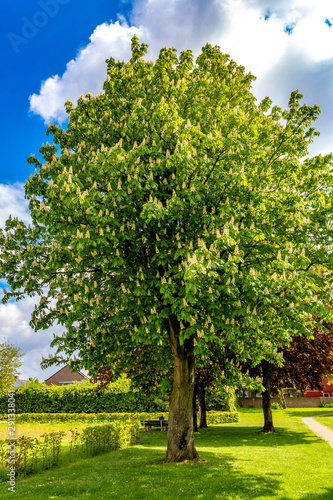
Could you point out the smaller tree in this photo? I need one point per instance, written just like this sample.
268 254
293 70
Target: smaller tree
204 378
307 362
10 362
218 382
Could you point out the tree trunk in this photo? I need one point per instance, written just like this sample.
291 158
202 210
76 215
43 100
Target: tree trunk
282 399
266 399
202 408
195 420
180 429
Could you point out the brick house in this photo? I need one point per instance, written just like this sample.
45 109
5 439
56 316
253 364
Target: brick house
65 376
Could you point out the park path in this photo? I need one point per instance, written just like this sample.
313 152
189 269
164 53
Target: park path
319 429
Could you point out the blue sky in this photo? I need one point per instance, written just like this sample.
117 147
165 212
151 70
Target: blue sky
56 49
29 61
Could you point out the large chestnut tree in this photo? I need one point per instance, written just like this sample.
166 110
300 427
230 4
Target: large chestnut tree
174 209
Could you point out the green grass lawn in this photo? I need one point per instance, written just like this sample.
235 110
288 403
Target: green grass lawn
34 430
241 464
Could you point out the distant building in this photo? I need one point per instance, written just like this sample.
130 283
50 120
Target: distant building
327 391
18 382
65 376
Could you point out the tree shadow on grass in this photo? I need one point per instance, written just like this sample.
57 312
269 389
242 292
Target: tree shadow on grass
224 476
316 411
326 495
243 436
139 474
220 477
323 416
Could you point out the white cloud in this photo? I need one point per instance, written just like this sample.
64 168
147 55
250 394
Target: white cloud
15 328
15 316
12 202
183 24
243 40
84 74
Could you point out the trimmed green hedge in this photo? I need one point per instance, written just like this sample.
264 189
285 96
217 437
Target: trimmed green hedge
77 398
222 417
40 398
214 417
84 417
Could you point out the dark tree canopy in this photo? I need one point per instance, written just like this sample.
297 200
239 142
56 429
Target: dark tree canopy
306 363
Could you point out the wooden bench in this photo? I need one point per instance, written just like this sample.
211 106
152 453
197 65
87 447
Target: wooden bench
148 424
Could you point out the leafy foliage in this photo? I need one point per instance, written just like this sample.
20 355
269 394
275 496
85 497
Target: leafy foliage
148 368
220 398
10 362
